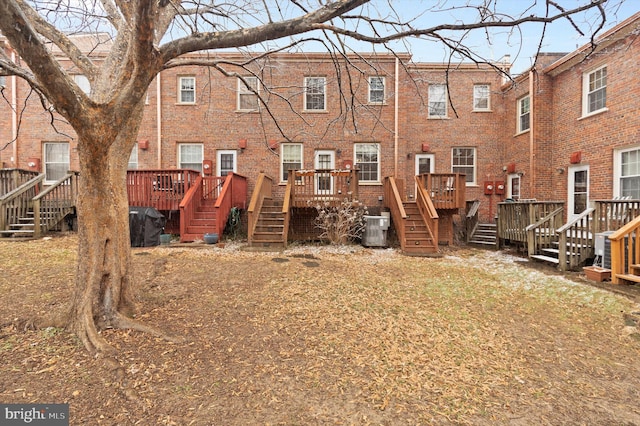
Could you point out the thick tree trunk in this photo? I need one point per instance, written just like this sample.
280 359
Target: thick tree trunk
103 296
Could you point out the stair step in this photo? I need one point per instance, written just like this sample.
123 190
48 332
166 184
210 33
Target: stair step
629 277
483 243
547 259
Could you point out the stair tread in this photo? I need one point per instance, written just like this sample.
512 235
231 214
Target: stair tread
545 258
629 277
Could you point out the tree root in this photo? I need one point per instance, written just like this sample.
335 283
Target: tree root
122 322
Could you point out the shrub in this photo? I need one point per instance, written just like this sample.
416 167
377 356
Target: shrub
342 223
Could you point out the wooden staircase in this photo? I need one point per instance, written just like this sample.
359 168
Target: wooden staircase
24 227
270 227
632 277
202 222
485 235
418 240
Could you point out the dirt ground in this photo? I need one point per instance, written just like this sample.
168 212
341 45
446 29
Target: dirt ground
327 336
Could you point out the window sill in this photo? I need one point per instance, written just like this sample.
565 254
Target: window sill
438 117
185 103
591 114
377 103
315 111
247 111
482 110
522 133
366 183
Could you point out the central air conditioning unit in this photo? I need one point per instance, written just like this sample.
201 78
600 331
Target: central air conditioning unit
603 250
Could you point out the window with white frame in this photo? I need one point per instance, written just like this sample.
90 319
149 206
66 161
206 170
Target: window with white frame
481 97
437 100
314 93
524 114
513 186
290 158
376 90
56 161
133 158
463 160
190 156
629 173
3 81
367 161
82 82
187 90
226 162
595 91
248 89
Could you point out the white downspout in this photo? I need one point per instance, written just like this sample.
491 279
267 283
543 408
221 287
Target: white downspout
14 114
159 120
395 123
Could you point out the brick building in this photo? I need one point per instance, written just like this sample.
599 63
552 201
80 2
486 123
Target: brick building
567 129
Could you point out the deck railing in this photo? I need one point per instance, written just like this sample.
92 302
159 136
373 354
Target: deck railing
261 191
427 210
625 250
393 200
576 241
10 179
286 210
514 217
309 187
16 204
611 215
54 203
447 190
161 189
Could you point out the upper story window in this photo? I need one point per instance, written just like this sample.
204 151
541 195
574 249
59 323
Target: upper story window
437 100
187 90
56 161
524 114
594 91
314 93
82 82
463 160
190 156
629 173
367 160
291 159
133 158
376 90
248 94
481 97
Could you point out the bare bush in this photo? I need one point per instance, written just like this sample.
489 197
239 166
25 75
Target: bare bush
341 223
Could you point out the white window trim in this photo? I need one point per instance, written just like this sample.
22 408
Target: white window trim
180 101
136 152
474 182
585 93
243 90
617 167
282 145
45 162
379 165
488 108
181 144
384 90
519 115
446 106
226 151
324 93
510 178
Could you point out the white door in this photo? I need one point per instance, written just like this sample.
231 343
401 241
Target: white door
577 190
425 163
324 163
513 186
226 162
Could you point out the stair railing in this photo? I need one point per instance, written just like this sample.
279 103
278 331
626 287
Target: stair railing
625 249
54 203
287 202
261 191
232 193
427 210
576 240
542 234
15 204
471 219
393 201
189 203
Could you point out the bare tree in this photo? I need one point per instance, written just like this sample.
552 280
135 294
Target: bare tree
147 36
